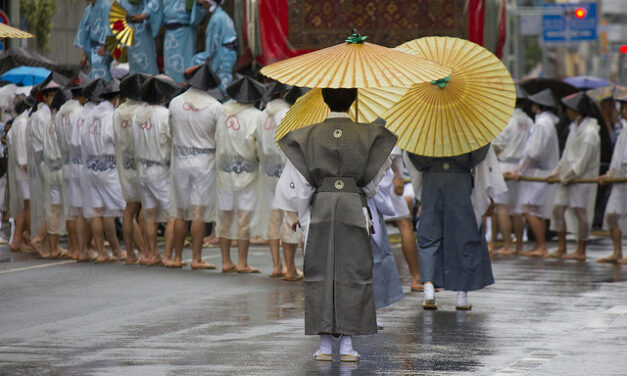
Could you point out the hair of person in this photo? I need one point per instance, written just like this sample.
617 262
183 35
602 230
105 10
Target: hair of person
339 100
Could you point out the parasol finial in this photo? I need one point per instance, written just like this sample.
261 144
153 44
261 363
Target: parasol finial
441 82
355 37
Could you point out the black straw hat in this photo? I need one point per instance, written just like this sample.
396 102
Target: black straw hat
131 85
246 90
157 90
274 89
92 90
78 83
294 93
578 102
521 93
111 89
202 77
60 97
544 98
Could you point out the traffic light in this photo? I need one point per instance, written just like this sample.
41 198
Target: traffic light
580 13
623 49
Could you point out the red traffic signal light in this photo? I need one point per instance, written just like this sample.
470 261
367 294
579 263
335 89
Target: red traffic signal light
580 13
623 49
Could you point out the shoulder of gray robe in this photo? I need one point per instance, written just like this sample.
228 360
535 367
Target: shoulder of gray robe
465 161
379 140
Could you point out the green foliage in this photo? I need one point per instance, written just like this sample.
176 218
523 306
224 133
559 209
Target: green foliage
38 15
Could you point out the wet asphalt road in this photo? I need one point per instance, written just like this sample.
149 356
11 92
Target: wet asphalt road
542 317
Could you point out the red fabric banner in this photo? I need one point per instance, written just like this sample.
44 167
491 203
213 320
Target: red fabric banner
476 17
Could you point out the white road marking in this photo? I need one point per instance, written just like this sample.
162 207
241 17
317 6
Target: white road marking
605 319
38 266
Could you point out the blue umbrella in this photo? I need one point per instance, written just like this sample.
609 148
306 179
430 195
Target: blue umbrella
25 75
587 82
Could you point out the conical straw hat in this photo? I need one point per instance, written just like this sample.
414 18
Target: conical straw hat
119 26
7 31
456 115
355 64
310 108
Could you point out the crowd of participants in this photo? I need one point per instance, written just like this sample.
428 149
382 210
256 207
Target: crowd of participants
530 148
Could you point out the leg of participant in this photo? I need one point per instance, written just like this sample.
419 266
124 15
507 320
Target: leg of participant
559 212
39 243
112 237
410 251
243 242
538 227
20 222
505 225
97 231
615 235
168 241
180 228
145 252
198 230
53 231
582 235
128 230
226 216
81 229
151 234
519 227
273 237
72 243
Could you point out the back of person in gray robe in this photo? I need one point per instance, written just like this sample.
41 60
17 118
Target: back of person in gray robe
453 253
338 159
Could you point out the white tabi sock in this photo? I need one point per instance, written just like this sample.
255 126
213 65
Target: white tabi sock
325 344
462 298
429 291
346 346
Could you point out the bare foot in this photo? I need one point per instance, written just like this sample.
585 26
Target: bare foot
202 265
556 254
537 253
228 268
611 259
120 255
278 271
504 251
574 256
59 253
416 287
40 248
101 259
622 261
247 269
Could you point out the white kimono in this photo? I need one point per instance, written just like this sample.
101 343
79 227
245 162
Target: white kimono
193 118
540 157
510 146
101 175
124 150
152 143
617 203
78 193
18 164
271 162
401 210
237 167
581 160
40 121
55 194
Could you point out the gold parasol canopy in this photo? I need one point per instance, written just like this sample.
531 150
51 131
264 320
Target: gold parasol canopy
355 64
7 31
311 109
457 114
122 31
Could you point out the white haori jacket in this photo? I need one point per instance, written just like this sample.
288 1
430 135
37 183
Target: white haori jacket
17 161
617 203
236 151
124 145
581 159
39 122
510 143
152 142
66 122
53 156
193 118
98 145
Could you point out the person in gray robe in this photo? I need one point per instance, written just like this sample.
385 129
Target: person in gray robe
340 163
453 253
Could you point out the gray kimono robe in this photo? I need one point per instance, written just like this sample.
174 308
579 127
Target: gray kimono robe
338 157
453 253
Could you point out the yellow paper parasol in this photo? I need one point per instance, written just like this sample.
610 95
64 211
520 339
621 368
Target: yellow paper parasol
355 64
116 50
122 31
311 109
460 113
7 31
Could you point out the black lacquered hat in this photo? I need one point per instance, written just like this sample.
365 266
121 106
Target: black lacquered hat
521 93
157 90
130 86
578 102
60 97
93 90
274 89
202 77
294 93
78 83
246 90
544 98
111 90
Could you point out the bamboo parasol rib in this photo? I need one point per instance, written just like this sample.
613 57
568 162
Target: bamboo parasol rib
574 181
7 31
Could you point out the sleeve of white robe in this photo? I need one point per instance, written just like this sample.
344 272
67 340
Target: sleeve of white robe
371 188
489 182
21 148
415 176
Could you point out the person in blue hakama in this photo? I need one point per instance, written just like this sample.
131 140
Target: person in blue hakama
180 18
386 282
142 56
92 32
453 253
220 43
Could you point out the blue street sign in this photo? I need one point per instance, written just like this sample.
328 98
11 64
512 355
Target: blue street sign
572 23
